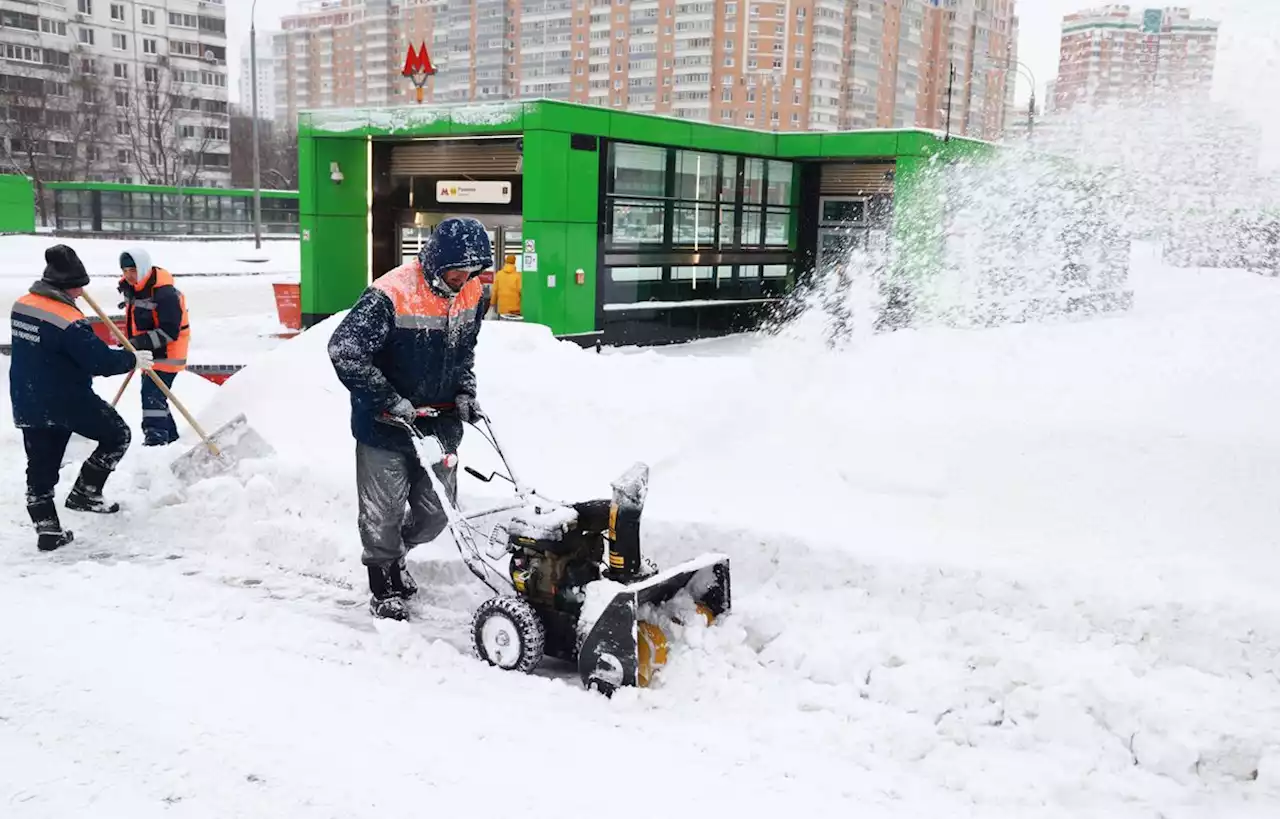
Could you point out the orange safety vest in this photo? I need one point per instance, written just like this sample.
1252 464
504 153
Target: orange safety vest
175 351
418 307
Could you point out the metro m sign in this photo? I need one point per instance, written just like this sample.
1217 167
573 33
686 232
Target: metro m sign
417 67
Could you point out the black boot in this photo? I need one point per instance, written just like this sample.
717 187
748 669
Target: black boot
86 495
386 602
49 532
402 582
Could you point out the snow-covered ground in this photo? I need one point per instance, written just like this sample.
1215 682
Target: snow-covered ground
1022 572
227 285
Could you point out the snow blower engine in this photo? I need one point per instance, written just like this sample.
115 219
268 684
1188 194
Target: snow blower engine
585 594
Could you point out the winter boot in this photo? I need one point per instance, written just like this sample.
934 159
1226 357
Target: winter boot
86 495
49 532
386 602
402 582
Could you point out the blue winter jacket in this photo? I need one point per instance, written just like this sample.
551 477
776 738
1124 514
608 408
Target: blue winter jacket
56 354
409 336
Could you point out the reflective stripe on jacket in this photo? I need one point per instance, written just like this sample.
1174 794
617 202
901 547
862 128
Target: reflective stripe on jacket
156 319
55 356
404 340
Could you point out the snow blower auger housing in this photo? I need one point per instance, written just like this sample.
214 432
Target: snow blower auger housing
579 570
570 580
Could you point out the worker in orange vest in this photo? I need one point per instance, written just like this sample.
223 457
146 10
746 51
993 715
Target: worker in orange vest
156 320
506 289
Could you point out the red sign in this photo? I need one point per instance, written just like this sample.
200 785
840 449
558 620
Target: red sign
418 62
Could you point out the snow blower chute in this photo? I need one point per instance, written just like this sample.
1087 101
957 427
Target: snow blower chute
570 580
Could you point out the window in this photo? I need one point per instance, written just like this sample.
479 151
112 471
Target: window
638 170
84 6
148 46
85 36
117 12
120 71
148 17
120 42
56 27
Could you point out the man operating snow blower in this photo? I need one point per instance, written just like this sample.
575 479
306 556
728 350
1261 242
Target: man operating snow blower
407 345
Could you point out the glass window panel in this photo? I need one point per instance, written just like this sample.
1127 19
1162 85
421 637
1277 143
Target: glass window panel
695 225
692 273
729 179
635 274
753 182
639 170
112 204
752 223
636 223
777 228
779 192
749 271
727 224
774 271
697 175
844 211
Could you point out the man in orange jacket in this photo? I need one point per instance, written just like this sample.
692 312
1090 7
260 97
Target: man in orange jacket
155 320
506 289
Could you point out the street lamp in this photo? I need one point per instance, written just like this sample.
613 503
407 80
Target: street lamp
1031 77
257 168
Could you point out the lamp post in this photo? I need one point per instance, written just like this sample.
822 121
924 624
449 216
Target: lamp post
257 167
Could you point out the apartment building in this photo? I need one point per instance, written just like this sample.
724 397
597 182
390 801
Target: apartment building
265 79
116 90
1119 53
780 64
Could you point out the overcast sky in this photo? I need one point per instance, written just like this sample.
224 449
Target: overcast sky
1249 52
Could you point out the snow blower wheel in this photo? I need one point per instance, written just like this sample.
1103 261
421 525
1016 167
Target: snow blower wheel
509 634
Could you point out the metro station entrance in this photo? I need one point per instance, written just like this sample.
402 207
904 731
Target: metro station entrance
420 183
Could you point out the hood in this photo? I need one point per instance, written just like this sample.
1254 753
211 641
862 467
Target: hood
141 259
455 244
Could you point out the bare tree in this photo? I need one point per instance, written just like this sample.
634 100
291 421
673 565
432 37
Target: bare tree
277 154
170 127
50 126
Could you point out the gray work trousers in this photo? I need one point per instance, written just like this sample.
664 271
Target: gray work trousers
386 481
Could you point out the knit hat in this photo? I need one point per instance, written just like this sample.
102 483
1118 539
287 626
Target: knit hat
64 269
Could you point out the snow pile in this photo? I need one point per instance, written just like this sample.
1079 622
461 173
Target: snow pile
24 256
1016 572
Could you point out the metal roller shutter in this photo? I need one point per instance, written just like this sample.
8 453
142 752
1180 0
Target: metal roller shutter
856 178
456 158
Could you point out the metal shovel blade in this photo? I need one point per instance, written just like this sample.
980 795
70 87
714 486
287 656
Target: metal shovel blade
234 441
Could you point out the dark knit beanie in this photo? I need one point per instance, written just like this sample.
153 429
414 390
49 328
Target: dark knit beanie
64 269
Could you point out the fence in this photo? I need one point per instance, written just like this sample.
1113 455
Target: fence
100 207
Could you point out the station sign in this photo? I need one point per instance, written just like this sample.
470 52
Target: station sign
477 193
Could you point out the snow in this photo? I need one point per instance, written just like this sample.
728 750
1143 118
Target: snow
231 303
411 117
24 256
1026 571
541 522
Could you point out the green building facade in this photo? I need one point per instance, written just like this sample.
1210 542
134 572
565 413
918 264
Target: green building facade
627 228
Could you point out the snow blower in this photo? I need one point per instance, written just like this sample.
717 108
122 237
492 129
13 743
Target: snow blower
229 443
569 579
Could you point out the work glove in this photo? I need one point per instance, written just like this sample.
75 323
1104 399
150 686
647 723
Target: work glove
468 408
143 359
403 410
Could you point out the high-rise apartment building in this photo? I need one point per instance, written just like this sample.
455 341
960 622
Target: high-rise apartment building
265 79
1117 52
116 90
784 64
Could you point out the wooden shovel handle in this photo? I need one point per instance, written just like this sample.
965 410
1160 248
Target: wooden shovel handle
124 342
